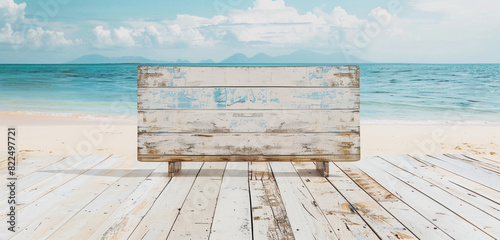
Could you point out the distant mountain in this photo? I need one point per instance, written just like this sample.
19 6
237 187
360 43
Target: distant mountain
300 56
207 61
96 58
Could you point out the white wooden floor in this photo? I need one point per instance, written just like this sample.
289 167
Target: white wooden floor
399 197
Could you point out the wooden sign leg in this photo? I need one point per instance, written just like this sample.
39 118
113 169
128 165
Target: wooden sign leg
323 168
174 167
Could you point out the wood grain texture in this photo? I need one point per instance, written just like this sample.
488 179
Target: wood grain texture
479 175
196 215
429 208
71 196
480 219
346 222
306 218
96 212
127 216
450 183
232 218
248 144
172 76
378 218
248 158
420 226
247 98
248 113
240 121
269 217
167 205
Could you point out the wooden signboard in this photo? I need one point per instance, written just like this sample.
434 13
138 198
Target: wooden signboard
248 114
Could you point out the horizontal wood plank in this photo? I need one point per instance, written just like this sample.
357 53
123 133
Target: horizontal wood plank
173 76
239 121
248 158
247 98
248 144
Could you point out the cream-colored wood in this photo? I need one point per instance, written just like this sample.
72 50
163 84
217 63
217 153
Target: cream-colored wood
452 183
300 144
378 218
346 223
197 212
306 218
247 98
172 76
72 195
131 211
158 221
69 217
232 218
477 174
43 181
270 219
437 212
243 121
418 225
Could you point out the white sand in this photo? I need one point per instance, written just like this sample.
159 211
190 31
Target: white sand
69 135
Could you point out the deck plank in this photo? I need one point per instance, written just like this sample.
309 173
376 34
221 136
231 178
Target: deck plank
232 218
480 219
69 216
476 161
80 190
476 174
379 219
196 215
346 223
30 165
418 225
168 204
306 218
446 182
428 207
38 184
456 179
269 217
96 212
130 212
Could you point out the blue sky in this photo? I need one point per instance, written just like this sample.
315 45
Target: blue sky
435 31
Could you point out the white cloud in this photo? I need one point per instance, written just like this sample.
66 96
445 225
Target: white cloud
124 36
267 22
103 36
11 12
17 31
38 37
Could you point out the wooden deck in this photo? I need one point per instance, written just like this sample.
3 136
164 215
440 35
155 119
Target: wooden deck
400 197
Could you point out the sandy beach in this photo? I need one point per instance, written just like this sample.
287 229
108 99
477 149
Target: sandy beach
94 134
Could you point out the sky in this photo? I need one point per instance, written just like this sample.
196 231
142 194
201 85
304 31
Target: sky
395 31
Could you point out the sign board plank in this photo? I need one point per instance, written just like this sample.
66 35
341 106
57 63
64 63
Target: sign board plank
248 98
314 76
240 121
248 143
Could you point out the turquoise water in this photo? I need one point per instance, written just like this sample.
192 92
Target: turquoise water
463 92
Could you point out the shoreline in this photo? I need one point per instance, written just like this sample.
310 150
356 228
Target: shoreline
117 134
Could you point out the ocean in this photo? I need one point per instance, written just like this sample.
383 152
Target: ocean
397 92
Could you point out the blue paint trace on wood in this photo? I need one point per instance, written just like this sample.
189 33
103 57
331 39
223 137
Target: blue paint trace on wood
248 98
